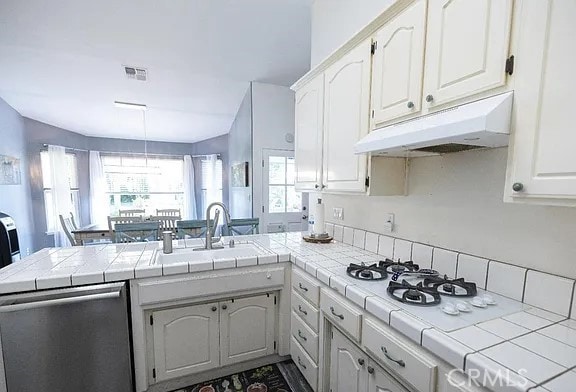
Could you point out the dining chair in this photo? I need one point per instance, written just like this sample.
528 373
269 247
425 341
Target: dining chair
114 220
68 228
137 212
136 232
166 222
74 224
169 212
245 226
192 228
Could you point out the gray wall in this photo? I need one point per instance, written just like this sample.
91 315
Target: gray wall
240 150
14 199
38 134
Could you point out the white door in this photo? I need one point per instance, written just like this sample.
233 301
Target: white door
284 208
398 65
381 381
466 48
185 340
347 365
247 328
543 161
308 146
346 120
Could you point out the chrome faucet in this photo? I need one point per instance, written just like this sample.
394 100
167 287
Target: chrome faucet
210 232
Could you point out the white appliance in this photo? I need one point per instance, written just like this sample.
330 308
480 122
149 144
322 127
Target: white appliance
480 124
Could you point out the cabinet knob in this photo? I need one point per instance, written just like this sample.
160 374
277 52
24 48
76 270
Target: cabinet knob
323 186
214 308
224 306
410 105
361 361
429 98
316 186
518 187
370 370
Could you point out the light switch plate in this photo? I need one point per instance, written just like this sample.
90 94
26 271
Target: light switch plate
338 213
388 223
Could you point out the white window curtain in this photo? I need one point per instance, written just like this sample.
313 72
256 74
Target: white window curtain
211 182
189 189
98 202
61 195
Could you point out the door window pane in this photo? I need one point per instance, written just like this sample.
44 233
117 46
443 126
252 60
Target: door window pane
290 171
277 199
277 170
294 200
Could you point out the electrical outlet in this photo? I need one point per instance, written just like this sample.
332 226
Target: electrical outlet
338 213
389 222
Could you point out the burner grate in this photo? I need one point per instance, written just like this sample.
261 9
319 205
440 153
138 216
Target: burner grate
451 287
366 272
413 294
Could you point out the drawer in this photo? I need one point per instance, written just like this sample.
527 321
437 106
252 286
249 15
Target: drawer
307 312
305 364
306 286
307 338
342 313
413 366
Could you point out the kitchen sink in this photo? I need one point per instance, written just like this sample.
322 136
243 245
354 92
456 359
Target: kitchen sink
191 255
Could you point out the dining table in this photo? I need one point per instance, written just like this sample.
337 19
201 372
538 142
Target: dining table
92 232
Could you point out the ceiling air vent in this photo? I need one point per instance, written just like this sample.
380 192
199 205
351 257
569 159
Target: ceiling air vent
136 73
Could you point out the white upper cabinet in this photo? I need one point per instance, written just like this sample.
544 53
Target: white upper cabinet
185 340
398 65
309 129
247 328
466 48
542 158
346 119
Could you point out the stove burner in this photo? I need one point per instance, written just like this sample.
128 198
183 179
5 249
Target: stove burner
452 287
394 267
413 294
366 272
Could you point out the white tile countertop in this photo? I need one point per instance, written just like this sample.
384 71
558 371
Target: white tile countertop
535 347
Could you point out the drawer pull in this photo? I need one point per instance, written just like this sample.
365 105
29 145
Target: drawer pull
302 287
340 316
400 362
305 313
302 336
300 363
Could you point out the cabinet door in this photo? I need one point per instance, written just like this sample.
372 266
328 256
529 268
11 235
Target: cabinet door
347 365
247 328
466 48
185 340
543 162
346 120
308 147
381 381
398 65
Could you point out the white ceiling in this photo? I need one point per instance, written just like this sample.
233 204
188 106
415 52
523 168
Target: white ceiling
61 61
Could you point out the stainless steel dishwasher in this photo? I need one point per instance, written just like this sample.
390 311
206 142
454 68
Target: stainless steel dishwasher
66 340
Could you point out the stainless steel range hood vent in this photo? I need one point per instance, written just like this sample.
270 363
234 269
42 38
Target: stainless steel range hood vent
480 124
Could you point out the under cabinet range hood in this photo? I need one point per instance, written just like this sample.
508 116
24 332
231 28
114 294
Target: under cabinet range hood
480 124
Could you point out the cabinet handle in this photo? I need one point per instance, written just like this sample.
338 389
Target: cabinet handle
340 316
305 313
214 308
370 370
410 105
429 98
300 363
224 306
361 361
518 187
400 362
304 338
302 287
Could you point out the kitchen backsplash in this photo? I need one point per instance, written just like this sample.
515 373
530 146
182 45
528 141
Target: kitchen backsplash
546 291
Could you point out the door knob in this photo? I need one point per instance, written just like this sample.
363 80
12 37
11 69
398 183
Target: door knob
214 308
224 306
429 98
518 187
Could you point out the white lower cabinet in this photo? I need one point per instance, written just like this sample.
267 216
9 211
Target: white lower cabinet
380 381
192 339
247 328
185 340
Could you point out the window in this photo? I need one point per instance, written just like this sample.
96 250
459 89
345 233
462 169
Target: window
282 195
72 173
211 177
135 182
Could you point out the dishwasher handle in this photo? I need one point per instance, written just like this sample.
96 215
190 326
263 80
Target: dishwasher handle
59 301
